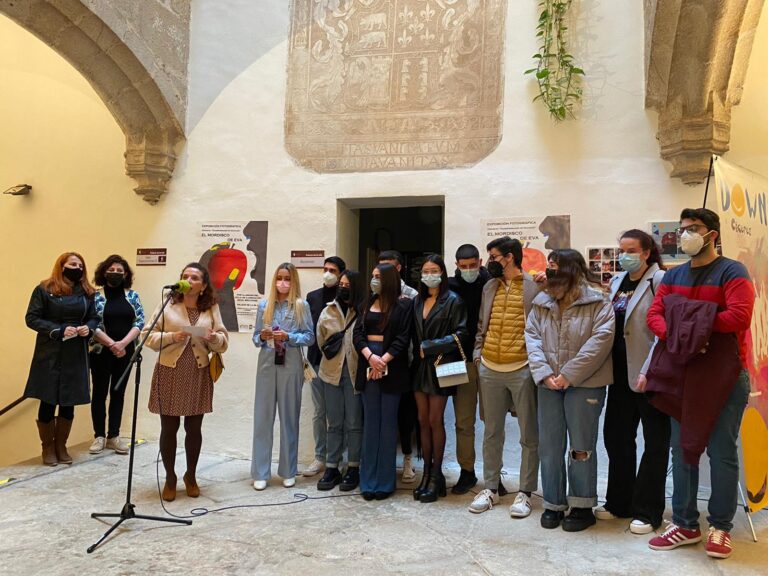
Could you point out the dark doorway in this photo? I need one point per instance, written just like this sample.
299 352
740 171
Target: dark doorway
415 232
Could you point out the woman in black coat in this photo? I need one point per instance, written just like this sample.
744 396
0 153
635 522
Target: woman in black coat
439 329
62 312
381 338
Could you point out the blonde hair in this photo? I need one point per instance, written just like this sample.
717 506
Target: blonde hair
294 294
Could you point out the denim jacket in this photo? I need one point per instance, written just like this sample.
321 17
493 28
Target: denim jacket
300 333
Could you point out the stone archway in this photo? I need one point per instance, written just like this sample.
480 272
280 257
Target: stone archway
137 97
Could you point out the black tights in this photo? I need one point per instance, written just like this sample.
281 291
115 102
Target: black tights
431 410
193 441
46 412
406 422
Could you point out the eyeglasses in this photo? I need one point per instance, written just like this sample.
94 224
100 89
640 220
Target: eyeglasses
494 257
693 229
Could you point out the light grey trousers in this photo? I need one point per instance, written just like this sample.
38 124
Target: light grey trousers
500 391
277 387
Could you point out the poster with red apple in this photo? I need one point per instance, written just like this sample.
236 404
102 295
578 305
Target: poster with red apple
539 235
235 253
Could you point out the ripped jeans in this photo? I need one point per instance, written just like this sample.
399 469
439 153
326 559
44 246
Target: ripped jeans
570 420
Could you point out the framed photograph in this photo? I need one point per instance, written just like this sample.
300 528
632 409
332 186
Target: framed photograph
603 261
665 235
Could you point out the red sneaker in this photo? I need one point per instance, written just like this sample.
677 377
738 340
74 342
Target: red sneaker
673 537
718 543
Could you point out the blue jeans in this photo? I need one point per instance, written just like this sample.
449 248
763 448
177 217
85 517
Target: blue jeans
345 420
378 470
723 464
570 416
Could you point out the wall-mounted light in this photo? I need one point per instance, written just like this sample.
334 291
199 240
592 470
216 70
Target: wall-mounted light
20 190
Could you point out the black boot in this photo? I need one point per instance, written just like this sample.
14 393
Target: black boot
331 478
579 519
425 475
351 479
551 519
435 487
467 481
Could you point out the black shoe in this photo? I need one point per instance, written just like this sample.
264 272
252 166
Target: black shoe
502 491
330 479
467 481
551 518
382 495
579 519
351 479
368 496
435 487
417 492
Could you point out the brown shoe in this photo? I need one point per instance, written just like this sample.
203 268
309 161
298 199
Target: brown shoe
169 490
193 490
63 426
46 431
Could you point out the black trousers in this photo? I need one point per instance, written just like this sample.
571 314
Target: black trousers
407 422
635 492
106 370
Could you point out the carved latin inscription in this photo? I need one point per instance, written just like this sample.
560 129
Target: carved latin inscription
379 85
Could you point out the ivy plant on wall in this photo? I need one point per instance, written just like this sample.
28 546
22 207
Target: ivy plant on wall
558 77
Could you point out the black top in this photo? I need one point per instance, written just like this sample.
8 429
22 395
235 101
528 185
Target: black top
472 295
119 315
620 303
372 323
317 300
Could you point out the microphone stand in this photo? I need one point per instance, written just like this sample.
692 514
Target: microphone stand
127 512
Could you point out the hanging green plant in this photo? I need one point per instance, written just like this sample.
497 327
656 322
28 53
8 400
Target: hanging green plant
559 79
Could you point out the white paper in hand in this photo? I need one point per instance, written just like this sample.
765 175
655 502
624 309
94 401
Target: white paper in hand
199 331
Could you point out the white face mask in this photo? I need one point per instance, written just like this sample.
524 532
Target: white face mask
692 242
330 279
469 276
431 280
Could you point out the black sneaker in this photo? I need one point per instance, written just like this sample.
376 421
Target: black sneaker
579 519
551 518
467 481
331 478
351 479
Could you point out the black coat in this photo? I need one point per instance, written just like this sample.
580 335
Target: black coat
397 335
434 335
59 370
318 300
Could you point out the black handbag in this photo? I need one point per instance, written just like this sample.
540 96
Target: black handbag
332 345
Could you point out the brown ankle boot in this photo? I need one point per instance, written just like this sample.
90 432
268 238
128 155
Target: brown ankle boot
63 426
193 490
46 431
169 490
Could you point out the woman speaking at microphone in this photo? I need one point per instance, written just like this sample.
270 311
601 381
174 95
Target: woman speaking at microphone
189 329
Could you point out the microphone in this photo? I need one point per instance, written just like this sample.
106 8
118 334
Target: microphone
181 287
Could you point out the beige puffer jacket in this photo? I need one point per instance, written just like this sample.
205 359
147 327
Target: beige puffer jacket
576 345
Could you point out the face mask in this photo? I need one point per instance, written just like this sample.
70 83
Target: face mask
692 243
343 294
630 262
73 274
114 279
330 279
551 273
283 286
376 285
495 269
431 280
469 276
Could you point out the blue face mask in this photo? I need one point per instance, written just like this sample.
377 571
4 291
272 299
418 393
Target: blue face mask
469 276
630 262
376 285
431 280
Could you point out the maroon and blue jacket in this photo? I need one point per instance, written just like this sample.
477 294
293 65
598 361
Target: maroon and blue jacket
725 282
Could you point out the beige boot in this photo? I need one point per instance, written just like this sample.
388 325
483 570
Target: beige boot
63 426
46 437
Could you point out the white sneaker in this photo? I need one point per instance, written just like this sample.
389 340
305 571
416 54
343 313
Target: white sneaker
521 507
640 527
602 514
314 469
117 445
259 485
97 447
409 473
485 500
289 482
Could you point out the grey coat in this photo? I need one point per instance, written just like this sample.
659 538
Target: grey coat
638 336
576 345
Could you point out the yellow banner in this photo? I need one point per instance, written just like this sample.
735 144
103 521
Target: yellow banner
742 202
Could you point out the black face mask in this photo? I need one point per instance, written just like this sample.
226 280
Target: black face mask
551 273
343 294
495 269
73 274
114 279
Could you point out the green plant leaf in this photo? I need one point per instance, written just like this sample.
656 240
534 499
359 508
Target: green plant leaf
543 73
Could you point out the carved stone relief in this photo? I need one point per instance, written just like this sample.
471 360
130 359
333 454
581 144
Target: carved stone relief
379 85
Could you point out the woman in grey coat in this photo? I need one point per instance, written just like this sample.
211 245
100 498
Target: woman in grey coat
569 335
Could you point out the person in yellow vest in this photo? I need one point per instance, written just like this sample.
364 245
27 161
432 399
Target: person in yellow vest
505 379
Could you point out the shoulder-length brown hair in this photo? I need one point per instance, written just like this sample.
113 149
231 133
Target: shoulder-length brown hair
208 296
58 285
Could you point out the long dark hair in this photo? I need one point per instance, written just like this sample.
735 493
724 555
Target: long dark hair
207 297
572 273
423 289
356 289
100 276
390 292
646 243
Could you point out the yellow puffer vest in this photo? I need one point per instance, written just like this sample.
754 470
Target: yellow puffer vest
505 340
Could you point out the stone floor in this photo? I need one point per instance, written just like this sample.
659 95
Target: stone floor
45 527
